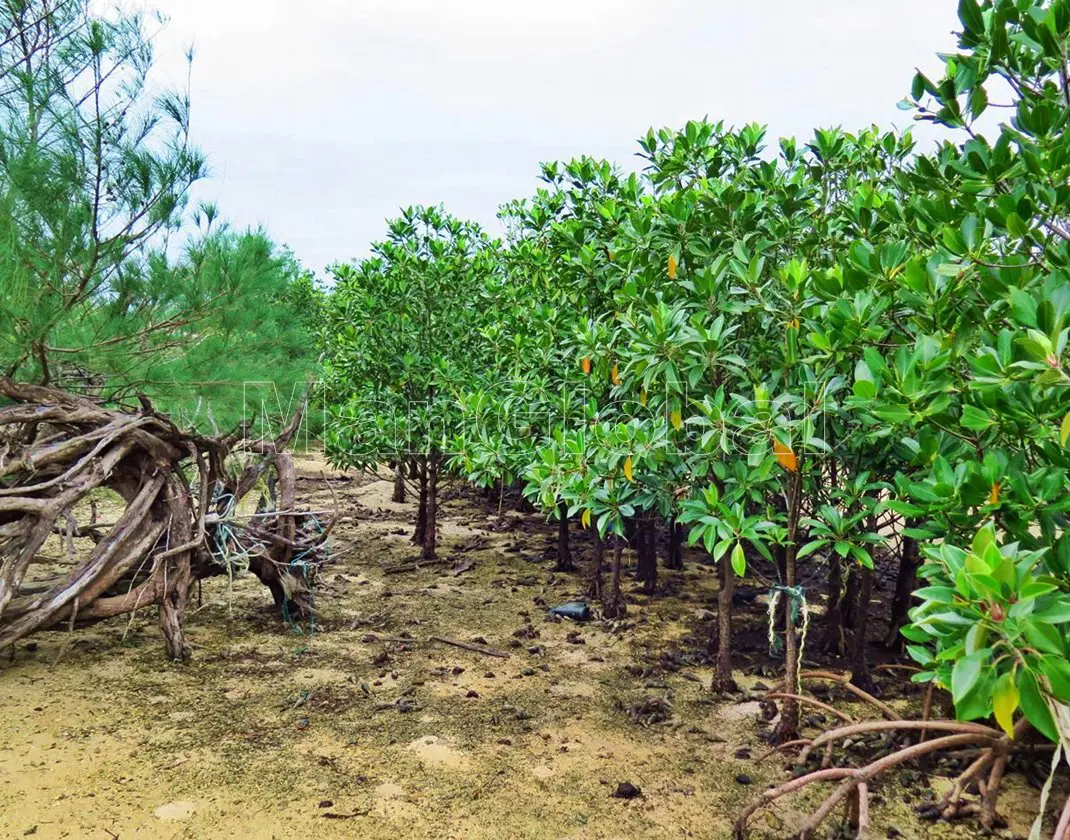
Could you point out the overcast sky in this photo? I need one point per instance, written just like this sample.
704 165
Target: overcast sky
322 117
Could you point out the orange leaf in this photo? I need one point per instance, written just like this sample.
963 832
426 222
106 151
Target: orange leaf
785 457
628 468
672 267
586 365
616 375
993 497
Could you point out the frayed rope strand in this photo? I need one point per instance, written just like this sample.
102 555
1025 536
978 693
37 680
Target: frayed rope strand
800 614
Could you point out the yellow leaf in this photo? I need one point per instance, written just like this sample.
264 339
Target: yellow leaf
1004 702
1064 432
585 519
672 267
586 365
642 397
616 375
993 497
677 420
785 457
628 468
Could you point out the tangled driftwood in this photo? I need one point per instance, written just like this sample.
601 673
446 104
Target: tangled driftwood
180 520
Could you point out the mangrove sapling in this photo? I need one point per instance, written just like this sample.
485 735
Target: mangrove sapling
847 531
722 526
394 379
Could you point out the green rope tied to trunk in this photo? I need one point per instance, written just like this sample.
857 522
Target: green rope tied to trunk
800 617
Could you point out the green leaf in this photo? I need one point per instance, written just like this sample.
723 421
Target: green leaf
1064 431
1057 670
978 702
975 638
965 673
985 537
969 14
917 86
976 419
739 560
1034 707
1057 613
1005 702
1044 637
810 548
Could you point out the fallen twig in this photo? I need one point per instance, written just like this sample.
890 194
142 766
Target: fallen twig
486 651
412 567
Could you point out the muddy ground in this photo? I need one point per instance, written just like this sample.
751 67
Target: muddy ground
365 728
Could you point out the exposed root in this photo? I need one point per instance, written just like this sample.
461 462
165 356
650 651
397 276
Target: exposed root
851 780
975 730
995 749
844 681
787 745
1062 829
993 760
810 701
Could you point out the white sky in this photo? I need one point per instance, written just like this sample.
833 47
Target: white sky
323 117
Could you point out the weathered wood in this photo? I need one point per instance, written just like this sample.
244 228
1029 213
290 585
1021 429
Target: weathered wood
168 534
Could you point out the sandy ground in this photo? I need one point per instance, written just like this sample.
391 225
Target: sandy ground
274 733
